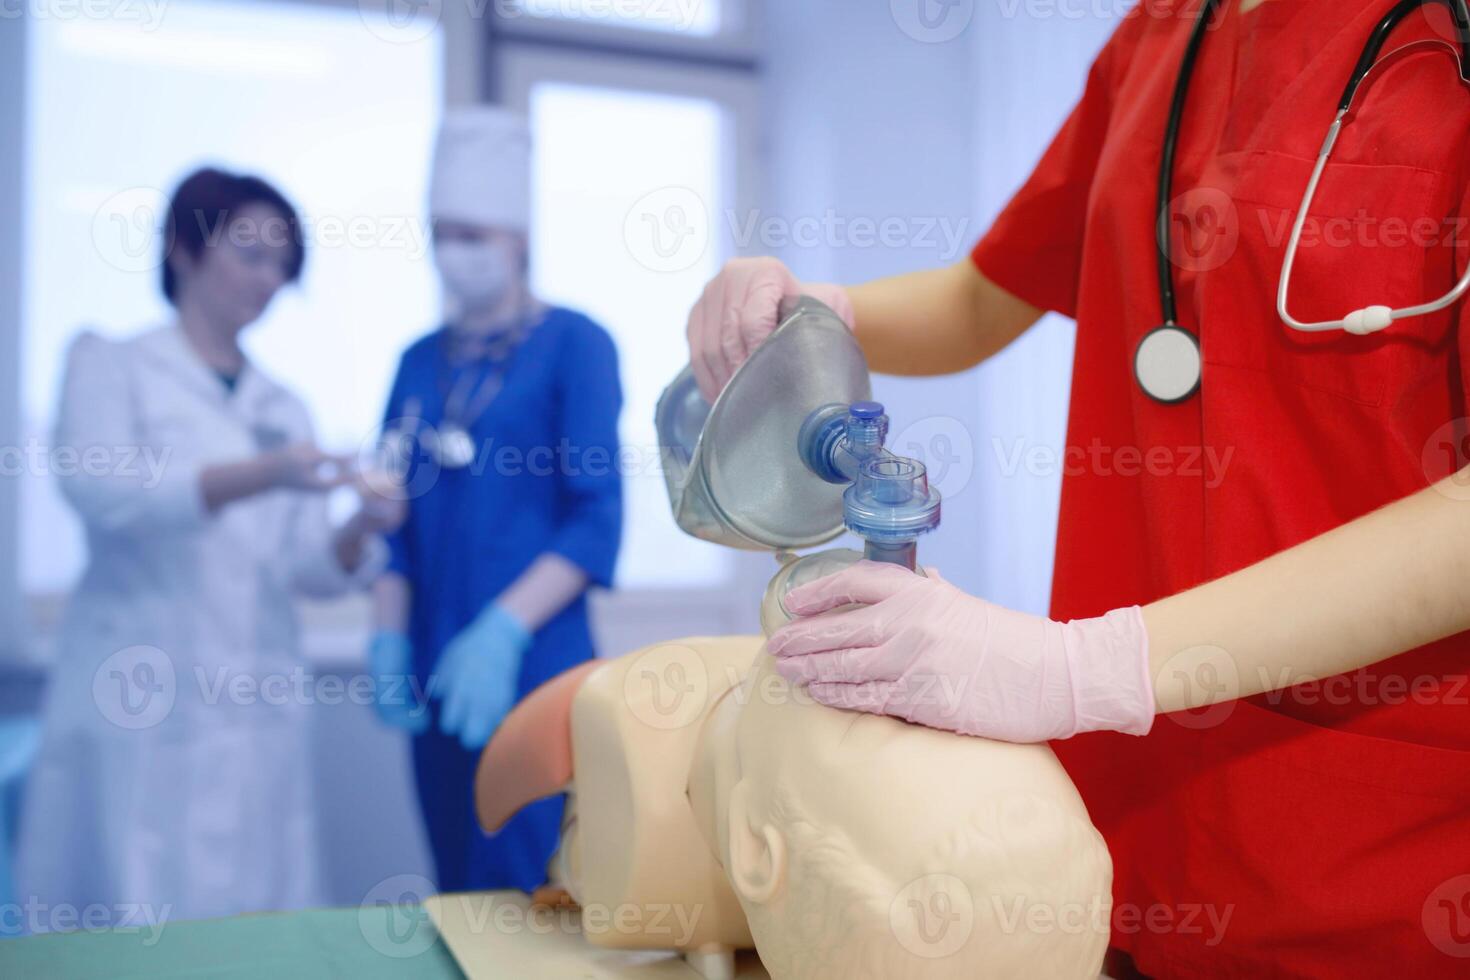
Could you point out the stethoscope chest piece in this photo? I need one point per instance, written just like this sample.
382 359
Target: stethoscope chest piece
1167 364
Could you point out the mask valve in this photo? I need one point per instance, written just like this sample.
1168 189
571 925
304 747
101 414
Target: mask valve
888 501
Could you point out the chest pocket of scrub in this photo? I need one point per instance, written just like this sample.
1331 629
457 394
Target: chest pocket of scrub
1375 234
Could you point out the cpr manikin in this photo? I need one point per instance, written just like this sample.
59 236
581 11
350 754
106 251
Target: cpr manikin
715 808
837 844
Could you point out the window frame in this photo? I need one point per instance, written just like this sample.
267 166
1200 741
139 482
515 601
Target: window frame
733 45
28 620
525 53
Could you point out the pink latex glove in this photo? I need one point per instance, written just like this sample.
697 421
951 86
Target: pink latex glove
920 649
738 310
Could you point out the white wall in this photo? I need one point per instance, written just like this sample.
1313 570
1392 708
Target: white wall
874 113
866 123
1031 60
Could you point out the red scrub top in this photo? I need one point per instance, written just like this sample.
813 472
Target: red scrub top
1321 831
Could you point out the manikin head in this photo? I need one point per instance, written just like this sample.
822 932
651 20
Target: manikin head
862 846
843 845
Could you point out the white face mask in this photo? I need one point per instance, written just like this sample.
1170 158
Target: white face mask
477 275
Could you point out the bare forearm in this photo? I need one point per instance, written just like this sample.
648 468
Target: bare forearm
1375 587
936 322
391 595
543 590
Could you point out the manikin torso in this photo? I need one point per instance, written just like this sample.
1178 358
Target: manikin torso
716 808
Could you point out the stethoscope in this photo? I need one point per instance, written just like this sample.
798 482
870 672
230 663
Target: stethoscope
1167 363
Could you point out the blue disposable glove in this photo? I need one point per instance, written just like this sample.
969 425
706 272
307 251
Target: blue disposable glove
390 658
477 676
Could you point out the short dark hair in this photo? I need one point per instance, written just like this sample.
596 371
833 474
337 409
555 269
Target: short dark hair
201 208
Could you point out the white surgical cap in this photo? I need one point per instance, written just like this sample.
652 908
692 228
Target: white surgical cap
482 169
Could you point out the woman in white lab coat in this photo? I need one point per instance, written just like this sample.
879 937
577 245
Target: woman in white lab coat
174 777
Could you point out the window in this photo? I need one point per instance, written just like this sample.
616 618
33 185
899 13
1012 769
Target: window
697 17
312 98
691 31
638 163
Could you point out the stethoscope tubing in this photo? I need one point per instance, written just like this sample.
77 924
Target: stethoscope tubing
1360 321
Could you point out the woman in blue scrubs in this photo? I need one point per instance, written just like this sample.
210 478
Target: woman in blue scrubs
505 421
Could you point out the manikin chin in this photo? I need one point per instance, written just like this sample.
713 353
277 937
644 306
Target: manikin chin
714 808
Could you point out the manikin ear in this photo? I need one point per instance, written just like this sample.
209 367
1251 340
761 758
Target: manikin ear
757 852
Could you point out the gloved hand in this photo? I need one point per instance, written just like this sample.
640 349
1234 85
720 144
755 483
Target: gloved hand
390 658
922 650
738 310
477 676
